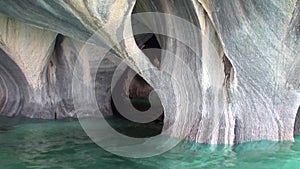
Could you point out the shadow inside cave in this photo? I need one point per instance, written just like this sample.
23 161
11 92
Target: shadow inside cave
137 90
297 123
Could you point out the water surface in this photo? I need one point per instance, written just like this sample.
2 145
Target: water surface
63 144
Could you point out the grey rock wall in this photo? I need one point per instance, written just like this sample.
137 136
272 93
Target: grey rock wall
13 86
261 39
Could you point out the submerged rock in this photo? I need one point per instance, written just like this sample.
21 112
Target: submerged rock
240 80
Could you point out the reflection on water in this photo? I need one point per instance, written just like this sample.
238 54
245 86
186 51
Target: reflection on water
63 144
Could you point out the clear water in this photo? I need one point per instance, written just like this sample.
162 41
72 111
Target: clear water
63 144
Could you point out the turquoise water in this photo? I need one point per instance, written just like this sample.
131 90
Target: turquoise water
63 144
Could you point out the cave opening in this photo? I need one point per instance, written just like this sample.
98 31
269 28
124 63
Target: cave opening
137 90
297 123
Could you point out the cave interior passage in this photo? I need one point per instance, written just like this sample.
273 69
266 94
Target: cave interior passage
138 93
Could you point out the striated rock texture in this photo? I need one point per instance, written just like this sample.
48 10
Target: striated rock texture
29 49
243 57
261 39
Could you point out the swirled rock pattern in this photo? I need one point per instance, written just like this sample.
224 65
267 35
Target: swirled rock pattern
13 87
244 61
261 39
29 49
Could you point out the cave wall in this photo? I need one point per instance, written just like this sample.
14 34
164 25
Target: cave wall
243 78
30 49
13 86
248 85
69 62
297 124
261 39
37 67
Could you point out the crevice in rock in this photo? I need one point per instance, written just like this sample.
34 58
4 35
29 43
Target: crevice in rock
229 68
51 75
236 127
297 123
58 74
229 73
57 46
227 85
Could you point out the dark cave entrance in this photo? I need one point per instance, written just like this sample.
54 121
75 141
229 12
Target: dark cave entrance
297 123
137 90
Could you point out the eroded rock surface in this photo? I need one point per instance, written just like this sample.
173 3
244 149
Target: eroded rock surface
242 81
